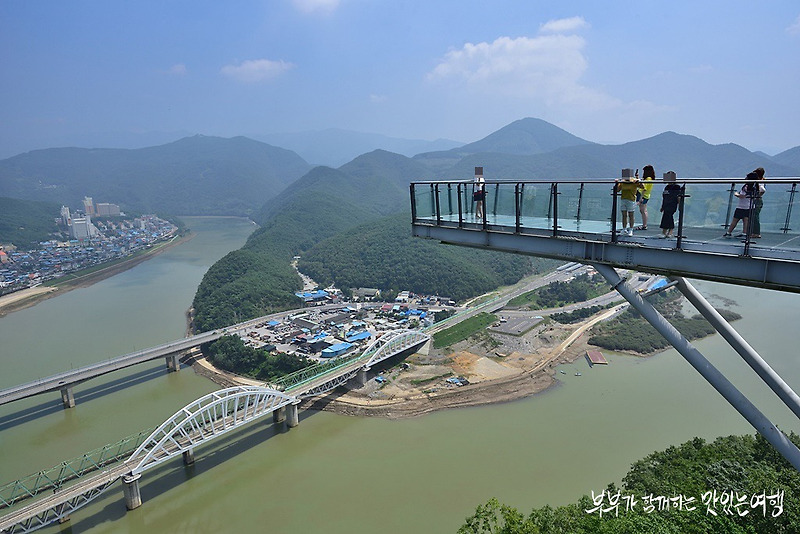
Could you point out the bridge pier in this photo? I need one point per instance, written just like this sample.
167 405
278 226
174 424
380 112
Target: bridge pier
279 415
188 457
361 377
130 488
292 416
67 397
426 348
173 363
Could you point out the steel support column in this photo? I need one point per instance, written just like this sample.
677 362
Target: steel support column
738 343
736 399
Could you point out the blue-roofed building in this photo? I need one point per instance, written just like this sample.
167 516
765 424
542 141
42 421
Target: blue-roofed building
658 284
336 350
312 296
359 336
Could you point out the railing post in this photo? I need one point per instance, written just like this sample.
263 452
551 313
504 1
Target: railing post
681 198
413 205
460 207
485 215
433 201
731 191
554 191
449 199
436 202
789 208
614 213
496 196
517 207
580 201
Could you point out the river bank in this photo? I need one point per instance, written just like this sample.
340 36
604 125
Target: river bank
26 298
421 388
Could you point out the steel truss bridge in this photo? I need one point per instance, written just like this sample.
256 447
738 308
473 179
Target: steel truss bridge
197 423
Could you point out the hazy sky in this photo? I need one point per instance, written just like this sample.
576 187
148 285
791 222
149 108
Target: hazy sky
610 72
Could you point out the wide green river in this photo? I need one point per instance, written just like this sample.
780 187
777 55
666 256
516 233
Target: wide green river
336 474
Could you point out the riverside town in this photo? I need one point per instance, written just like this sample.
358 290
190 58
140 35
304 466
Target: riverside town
97 234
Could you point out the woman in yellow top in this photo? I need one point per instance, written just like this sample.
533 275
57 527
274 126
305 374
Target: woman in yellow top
643 196
628 190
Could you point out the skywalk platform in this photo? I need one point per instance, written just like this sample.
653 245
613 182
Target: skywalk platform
578 221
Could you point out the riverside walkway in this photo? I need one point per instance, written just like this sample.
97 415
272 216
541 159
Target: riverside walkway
197 423
578 221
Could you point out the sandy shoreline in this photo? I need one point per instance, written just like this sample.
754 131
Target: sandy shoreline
25 298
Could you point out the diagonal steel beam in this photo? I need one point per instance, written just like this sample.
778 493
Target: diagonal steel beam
736 398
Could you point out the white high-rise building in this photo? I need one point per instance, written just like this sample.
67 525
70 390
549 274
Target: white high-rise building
88 206
104 209
82 228
65 217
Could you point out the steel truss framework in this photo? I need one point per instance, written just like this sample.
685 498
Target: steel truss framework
57 476
386 346
391 344
58 511
206 418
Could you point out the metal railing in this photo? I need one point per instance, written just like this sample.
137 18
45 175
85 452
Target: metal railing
58 475
589 208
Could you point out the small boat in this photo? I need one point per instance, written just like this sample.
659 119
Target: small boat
563 372
577 373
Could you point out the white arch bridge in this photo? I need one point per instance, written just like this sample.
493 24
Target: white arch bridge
205 419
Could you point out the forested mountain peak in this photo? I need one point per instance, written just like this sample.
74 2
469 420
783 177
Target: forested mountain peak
395 168
524 137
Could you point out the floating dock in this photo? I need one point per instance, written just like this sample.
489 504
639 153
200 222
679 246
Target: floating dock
595 357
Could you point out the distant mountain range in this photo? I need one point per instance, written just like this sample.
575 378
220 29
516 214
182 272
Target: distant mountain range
334 147
195 175
241 176
300 206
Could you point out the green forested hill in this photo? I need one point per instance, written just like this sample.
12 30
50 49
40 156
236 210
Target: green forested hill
193 176
25 223
382 254
375 183
258 278
346 205
733 485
